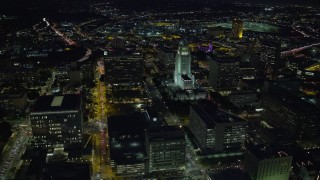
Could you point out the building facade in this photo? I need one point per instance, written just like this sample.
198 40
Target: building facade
124 77
224 73
166 58
215 130
269 64
57 120
124 70
166 148
13 99
298 117
263 163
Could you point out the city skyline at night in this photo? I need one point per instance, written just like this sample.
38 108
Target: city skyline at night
167 89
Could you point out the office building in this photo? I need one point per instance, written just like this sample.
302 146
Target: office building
243 98
269 63
127 147
124 70
229 173
166 58
13 99
224 73
26 77
265 163
284 109
237 28
166 148
57 120
87 71
182 73
124 76
215 130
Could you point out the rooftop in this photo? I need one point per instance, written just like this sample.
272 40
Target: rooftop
67 170
229 174
295 103
134 123
57 103
11 92
127 150
262 151
165 133
166 49
212 115
183 42
226 59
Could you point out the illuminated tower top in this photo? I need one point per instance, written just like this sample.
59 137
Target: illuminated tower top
183 59
237 28
182 74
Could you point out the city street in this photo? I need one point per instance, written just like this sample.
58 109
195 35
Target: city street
100 151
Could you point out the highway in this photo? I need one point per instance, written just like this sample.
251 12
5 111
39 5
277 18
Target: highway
16 150
296 50
67 40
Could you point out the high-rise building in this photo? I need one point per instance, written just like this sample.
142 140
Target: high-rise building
224 73
215 130
237 28
124 70
182 73
127 147
124 78
166 148
57 120
284 109
265 163
269 63
166 58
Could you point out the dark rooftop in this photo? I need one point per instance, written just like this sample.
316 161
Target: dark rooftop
265 152
165 133
11 92
127 150
211 115
295 103
226 59
166 49
229 174
68 171
57 103
134 123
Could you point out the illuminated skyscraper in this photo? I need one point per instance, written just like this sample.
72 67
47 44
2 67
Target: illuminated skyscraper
182 73
237 28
